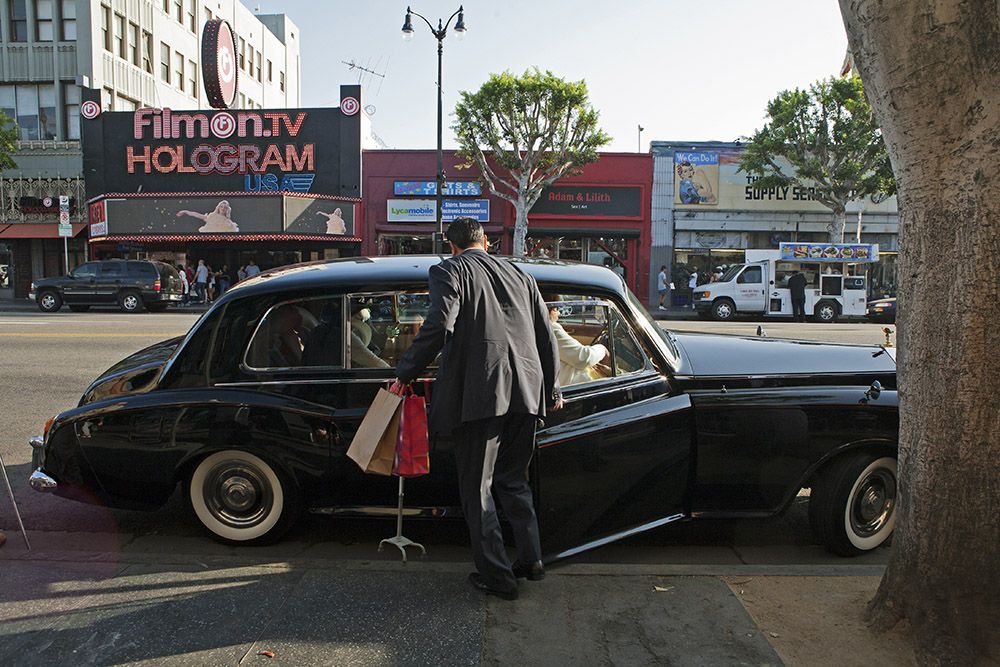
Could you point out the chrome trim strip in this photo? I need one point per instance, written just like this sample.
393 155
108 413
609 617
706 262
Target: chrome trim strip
41 482
274 383
36 441
604 389
386 511
613 538
768 376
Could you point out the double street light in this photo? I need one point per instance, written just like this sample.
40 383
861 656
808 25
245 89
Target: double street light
439 33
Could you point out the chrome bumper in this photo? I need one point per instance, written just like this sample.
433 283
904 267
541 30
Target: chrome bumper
39 481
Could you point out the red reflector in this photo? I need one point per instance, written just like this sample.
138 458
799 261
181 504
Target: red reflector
156 285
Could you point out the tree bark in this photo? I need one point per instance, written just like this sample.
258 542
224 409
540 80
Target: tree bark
520 226
837 225
931 72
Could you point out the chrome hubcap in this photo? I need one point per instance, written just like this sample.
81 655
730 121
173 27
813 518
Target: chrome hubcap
874 502
130 302
724 311
48 301
238 494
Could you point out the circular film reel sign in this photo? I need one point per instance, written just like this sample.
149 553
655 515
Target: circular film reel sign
223 125
219 70
90 110
349 106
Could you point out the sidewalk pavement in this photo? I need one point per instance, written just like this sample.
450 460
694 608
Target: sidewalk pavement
83 607
27 305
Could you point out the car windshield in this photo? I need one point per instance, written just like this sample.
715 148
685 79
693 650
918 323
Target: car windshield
662 334
731 273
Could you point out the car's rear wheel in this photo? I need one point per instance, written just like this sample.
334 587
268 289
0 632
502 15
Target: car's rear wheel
77 308
852 505
723 310
130 301
825 311
242 499
49 301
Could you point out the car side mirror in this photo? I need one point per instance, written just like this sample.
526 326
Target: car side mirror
874 391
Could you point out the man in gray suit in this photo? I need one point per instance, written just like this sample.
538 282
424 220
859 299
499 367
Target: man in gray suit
497 376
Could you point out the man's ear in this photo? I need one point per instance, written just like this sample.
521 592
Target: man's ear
455 250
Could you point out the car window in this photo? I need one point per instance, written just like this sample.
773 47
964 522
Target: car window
382 327
594 340
141 269
88 270
752 274
112 269
298 334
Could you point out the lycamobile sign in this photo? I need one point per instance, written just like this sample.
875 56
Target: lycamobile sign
425 210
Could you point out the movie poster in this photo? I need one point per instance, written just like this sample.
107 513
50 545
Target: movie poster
308 215
696 178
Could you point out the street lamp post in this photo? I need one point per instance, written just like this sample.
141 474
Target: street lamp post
439 33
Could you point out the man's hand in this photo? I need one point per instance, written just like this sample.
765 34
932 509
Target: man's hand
559 405
398 388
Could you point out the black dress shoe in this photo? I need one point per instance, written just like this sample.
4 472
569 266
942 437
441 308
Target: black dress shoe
480 584
533 572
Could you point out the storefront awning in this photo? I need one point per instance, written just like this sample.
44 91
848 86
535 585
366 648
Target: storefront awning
227 238
35 230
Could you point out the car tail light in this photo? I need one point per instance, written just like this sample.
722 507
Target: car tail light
48 425
156 285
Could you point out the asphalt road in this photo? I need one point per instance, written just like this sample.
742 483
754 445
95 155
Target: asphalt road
46 362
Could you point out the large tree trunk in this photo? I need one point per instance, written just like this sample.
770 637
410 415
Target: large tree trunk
520 226
836 226
931 72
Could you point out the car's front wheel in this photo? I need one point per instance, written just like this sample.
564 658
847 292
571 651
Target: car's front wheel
825 311
852 505
49 301
242 499
723 310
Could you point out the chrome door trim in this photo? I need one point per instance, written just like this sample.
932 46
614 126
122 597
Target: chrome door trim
600 542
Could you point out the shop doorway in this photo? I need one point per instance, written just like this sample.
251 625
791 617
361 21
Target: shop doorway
6 271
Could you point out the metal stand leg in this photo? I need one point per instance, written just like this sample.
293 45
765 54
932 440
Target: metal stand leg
17 512
399 541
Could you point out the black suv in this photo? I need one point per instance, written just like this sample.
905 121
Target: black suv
132 284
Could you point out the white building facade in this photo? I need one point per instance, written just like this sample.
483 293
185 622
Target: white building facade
138 53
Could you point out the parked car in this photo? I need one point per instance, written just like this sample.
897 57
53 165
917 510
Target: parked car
253 410
882 310
130 284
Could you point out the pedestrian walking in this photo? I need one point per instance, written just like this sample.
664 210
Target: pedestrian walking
797 288
185 285
661 286
201 282
211 285
241 275
692 283
498 376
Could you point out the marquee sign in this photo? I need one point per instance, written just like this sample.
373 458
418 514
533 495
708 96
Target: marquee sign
584 200
218 63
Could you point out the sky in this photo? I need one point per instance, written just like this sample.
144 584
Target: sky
685 71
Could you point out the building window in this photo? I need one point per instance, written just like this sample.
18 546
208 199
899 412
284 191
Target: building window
69 20
133 44
270 71
179 11
18 21
106 27
243 50
43 21
147 52
260 59
7 103
179 70
71 94
27 112
192 16
208 14
46 111
125 104
165 62
120 36
166 7
250 52
192 79
281 81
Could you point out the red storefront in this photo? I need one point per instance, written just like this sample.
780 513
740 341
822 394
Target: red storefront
599 216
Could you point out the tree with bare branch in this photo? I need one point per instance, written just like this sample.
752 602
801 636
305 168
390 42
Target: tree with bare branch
525 132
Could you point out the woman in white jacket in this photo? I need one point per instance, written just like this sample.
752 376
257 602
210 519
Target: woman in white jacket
575 358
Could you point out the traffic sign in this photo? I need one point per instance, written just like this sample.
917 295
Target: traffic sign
65 230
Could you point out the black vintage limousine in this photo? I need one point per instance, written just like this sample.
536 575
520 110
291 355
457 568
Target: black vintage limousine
253 411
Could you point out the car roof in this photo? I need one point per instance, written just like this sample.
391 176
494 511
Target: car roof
371 273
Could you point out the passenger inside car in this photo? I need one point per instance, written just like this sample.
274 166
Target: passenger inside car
285 340
322 345
578 363
362 353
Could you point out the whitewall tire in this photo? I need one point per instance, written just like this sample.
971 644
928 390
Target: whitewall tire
853 504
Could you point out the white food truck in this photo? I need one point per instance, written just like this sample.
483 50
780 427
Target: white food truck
835 282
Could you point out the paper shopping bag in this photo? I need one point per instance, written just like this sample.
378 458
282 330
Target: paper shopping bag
412 452
374 445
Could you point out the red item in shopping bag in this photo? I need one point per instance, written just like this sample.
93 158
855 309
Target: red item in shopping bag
412 450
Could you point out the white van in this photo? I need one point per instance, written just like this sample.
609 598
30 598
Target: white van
835 282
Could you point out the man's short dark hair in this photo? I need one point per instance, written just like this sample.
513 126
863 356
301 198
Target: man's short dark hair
465 232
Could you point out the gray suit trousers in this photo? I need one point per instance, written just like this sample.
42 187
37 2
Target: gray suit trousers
494 454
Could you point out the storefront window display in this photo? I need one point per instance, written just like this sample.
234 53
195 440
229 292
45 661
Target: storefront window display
399 244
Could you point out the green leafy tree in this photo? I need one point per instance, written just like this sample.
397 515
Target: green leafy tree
8 141
826 138
524 132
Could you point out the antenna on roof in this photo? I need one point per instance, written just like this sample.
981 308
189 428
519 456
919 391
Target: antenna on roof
367 73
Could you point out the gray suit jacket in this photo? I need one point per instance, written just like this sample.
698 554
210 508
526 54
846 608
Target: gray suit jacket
488 319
